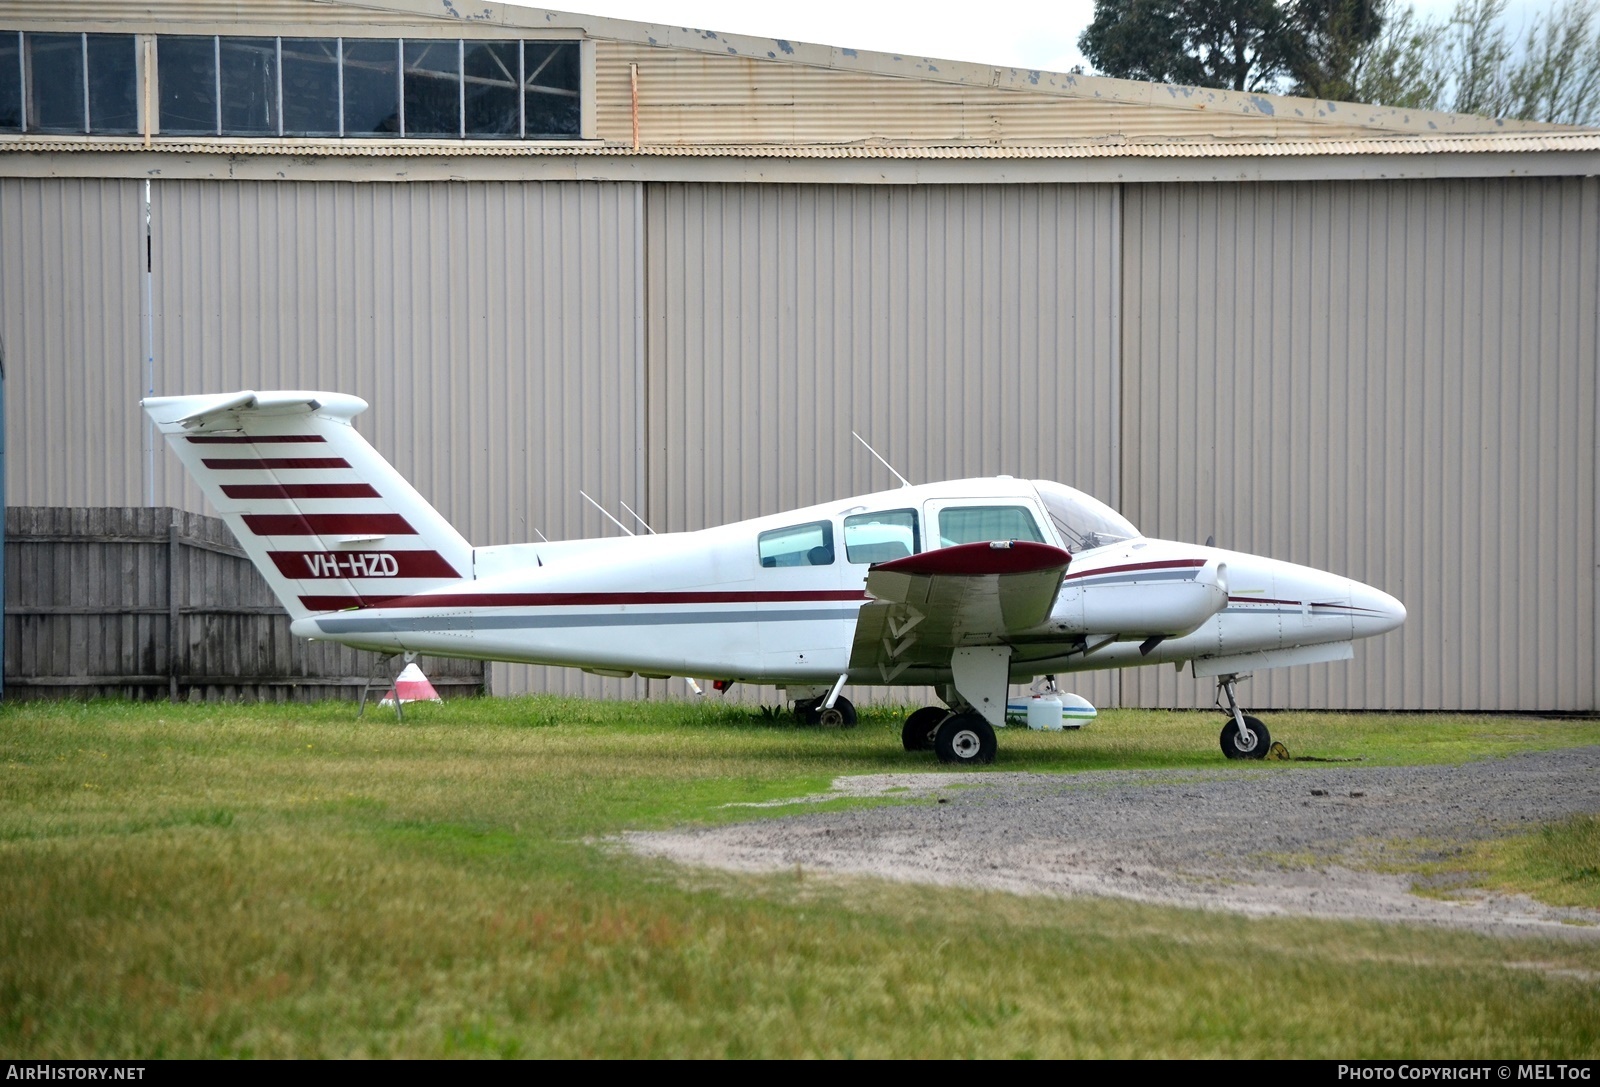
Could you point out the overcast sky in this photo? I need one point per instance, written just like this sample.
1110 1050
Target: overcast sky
1013 33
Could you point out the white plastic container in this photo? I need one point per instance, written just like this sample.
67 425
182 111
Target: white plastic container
1044 713
1070 711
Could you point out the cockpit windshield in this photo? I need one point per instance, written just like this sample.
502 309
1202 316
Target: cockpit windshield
1083 522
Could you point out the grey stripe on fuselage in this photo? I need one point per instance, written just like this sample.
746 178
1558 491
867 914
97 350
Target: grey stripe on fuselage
1129 579
527 621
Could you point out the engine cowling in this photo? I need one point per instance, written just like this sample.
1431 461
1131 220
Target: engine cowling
1166 598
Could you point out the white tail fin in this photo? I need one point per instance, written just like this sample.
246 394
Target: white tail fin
328 522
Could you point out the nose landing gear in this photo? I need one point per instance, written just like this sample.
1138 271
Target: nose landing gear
1243 737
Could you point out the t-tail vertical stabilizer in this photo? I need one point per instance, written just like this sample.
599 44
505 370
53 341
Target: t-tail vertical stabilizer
327 521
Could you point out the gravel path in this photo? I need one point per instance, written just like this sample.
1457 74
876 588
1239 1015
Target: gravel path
1254 840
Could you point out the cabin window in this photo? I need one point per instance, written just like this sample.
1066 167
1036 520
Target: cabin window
979 524
798 545
880 537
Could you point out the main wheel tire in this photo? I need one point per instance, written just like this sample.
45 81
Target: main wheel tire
843 715
917 733
965 739
1230 739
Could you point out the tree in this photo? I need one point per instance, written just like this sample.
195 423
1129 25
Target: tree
1326 40
1236 44
1471 63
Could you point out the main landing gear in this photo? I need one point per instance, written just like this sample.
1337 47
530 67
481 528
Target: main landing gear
811 711
961 737
1243 737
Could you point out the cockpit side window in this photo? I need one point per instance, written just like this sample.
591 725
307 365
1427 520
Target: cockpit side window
1082 522
880 537
978 524
809 544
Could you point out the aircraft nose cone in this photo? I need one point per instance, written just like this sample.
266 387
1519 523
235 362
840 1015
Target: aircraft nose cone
1374 611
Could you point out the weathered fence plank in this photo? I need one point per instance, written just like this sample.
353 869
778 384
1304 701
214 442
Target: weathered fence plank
162 603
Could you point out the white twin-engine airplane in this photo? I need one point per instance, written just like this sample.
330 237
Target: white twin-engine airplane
966 586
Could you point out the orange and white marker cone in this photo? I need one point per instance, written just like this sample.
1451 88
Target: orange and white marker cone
411 686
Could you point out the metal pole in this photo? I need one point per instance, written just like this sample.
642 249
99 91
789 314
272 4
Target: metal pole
148 319
173 544
2 516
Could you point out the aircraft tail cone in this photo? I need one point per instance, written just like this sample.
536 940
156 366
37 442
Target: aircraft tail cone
411 686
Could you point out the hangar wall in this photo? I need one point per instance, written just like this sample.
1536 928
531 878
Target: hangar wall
71 253
1392 379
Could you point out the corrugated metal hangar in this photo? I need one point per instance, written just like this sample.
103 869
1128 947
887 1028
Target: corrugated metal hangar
676 269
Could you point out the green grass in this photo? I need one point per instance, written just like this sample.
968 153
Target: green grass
1558 864
286 881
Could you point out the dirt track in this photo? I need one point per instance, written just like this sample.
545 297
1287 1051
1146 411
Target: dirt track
1258 840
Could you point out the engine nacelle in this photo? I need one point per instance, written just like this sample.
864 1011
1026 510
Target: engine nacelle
1169 598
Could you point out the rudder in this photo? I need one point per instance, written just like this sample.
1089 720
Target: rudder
329 523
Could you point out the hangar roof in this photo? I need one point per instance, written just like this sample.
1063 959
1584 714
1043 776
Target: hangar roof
656 94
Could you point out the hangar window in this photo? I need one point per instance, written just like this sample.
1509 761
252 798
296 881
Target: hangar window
310 81
68 83
188 85
10 82
247 85
371 87
797 545
422 88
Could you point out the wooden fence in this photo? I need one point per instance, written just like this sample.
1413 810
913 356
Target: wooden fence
161 603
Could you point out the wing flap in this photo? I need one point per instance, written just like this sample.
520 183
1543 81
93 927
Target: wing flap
927 605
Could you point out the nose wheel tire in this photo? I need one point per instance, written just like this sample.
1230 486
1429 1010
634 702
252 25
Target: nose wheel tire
1253 746
917 733
965 739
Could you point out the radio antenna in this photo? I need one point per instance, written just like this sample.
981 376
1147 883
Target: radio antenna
602 509
636 517
904 482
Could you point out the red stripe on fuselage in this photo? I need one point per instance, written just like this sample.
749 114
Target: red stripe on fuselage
262 439
300 490
272 464
309 565
328 524
342 603
567 600
1169 564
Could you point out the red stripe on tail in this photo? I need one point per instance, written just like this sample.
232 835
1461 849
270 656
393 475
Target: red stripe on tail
328 524
300 490
263 464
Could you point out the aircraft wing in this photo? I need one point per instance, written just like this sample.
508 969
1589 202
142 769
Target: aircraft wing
925 606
